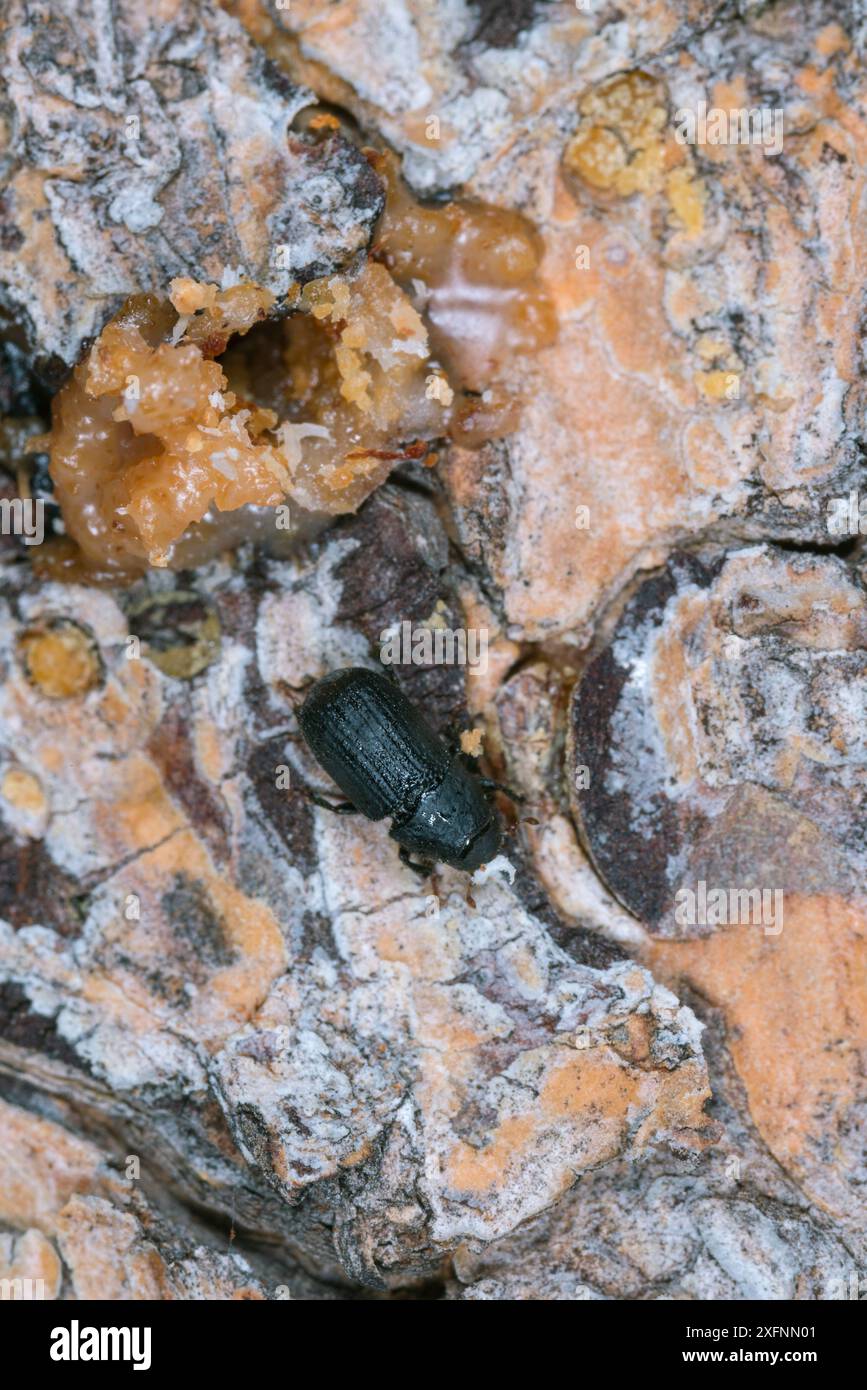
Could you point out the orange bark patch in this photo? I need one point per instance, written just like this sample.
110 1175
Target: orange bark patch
41 1166
592 1099
60 659
796 1011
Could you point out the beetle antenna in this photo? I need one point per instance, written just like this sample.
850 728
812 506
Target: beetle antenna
340 808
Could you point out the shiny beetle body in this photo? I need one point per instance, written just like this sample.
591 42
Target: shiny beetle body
387 761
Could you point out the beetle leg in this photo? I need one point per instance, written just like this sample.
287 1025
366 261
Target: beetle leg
451 737
423 870
340 808
490 786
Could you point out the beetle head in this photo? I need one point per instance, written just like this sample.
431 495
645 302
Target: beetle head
453 823
481 848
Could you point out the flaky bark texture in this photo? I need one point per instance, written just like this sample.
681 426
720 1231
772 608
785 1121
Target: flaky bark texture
245 1054
145 143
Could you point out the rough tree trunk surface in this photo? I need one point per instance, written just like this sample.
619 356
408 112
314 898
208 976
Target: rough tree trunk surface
243 1052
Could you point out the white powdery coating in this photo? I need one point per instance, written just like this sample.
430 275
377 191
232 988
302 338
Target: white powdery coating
639 767
771 694
297 637
749 1248
482 119
394 80
500 867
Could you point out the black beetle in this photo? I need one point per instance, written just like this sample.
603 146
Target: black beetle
389 762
